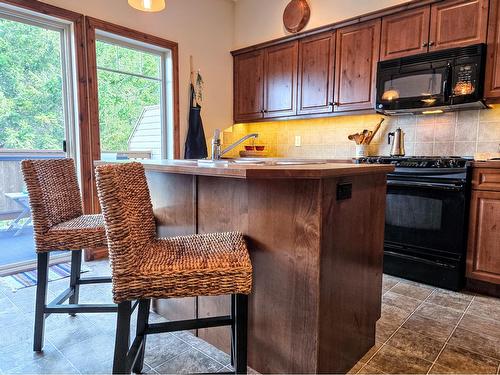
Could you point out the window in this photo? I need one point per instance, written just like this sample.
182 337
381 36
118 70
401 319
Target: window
36 76
134 93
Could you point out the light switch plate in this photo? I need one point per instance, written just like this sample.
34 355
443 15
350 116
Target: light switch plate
298 141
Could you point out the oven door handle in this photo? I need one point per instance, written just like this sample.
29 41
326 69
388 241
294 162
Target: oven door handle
428 185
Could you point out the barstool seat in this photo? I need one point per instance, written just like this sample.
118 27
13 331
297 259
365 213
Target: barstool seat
85 231
145 267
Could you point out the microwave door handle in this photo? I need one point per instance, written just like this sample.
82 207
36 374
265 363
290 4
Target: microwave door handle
446 86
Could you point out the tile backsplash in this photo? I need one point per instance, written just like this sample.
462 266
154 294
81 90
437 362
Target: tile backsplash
457 133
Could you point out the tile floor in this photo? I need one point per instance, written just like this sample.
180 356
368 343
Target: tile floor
422 330
429 330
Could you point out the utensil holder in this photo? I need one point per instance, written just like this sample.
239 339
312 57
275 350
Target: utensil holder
361 151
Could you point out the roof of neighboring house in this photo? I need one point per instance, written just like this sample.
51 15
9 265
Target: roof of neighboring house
146 135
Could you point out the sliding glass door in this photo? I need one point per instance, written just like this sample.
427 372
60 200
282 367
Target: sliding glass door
36 118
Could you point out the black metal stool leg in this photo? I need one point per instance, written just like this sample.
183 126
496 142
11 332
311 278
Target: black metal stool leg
233 307
122 341
142 322
241 317
41 300
76 265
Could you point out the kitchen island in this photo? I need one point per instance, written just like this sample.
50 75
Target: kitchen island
315 234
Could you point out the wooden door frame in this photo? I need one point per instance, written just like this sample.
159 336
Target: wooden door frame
93 143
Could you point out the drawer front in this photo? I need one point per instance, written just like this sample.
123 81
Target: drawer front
486 179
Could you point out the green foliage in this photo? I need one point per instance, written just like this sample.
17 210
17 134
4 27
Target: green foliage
121 96
31 108
31 89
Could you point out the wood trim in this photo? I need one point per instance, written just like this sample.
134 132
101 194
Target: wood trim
336 25
47 9
93 24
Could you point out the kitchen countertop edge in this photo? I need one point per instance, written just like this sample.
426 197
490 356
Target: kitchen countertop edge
303 171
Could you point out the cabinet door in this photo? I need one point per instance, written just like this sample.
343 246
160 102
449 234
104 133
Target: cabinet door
405 33
492 79
280 83
316 62
458 23
483 259
249 86
357 53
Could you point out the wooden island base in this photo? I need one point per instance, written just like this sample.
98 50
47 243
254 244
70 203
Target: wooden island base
316 245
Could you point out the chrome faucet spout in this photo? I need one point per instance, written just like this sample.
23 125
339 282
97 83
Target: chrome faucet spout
216 149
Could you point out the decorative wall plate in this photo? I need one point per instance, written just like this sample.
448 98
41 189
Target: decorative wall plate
296 15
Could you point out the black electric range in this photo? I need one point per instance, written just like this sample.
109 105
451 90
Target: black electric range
426 218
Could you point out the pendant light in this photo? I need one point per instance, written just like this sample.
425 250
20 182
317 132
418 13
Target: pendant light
147 5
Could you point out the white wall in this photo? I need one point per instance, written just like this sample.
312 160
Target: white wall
203 28
257 21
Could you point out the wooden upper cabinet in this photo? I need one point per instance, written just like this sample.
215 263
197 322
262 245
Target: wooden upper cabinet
316 74
249 86
357 54
405 33
492 79
280 82
458 23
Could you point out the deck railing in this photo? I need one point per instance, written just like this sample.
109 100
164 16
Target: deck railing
11 178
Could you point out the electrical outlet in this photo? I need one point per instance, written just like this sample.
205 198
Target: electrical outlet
298 141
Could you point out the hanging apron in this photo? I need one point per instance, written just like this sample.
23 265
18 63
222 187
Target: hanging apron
196 145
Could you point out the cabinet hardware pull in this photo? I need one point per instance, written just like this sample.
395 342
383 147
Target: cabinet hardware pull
431 43
425 44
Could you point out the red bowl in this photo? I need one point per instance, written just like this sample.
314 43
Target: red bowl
249 148
260 148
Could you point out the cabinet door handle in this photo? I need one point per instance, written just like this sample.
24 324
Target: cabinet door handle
425 44
431 43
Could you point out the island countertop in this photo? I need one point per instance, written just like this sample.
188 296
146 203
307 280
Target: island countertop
274 168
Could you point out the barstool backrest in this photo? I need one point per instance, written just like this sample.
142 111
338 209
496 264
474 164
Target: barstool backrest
128 213
53 192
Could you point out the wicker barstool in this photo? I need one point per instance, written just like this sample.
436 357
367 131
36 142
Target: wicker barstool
58 225
145 267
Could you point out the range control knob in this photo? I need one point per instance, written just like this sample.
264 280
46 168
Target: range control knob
439 163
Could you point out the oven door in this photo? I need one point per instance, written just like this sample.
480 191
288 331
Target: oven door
408 87
426 219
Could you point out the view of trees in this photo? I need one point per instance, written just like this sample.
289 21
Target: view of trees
31 107
31 91
123 96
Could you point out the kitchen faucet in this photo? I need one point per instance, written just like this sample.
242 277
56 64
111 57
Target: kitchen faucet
216 145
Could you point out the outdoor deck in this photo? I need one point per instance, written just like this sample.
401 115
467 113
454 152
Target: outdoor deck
16 248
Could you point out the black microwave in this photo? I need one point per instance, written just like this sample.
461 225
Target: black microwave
434 82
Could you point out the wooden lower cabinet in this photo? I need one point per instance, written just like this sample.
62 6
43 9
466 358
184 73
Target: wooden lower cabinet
483 259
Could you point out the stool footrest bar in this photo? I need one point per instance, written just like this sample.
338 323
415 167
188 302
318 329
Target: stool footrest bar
94 280
185 325
78 308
